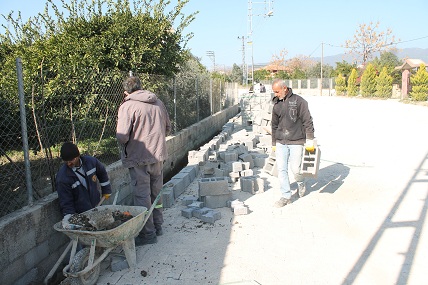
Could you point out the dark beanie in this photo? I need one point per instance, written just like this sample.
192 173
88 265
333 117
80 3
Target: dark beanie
69 151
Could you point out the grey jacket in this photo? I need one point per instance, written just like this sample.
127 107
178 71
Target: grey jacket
142 126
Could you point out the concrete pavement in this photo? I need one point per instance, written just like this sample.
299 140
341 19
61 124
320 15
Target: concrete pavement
362 222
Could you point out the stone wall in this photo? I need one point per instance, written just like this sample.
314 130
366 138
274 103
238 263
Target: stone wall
30 246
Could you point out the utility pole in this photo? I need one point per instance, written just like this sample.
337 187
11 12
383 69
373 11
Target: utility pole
267 13
244 69
322 56
211 55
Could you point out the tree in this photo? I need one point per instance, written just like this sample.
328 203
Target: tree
340 85
298 66
236 74
278 60
419 83
344 68
352 83
390 61
314 71
384 84
261 74
367 41
368 81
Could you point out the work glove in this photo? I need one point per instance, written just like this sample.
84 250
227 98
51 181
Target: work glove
273 148
309 145
106 196
65 222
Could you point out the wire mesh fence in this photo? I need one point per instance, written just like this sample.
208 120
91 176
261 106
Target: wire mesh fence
85 112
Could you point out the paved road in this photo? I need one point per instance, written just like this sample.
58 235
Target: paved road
363 221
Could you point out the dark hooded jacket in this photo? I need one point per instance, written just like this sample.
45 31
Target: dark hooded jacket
291 120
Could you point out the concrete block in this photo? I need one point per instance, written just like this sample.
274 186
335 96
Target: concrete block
246 165
197 204
260 161
218 172
240 210
248 143
248 172
217 201
167 197
260 185
177 186
213 186
230 156
247 158
270 166
248 184
197 213
192 170
211 217
187 212
235 203
234 176
184 176
187 200
236 166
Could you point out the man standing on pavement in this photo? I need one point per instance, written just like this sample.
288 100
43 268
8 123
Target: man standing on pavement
292 128
142 126
76 182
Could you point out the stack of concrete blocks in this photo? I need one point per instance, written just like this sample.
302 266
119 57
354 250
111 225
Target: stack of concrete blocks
214 192
178 183
197 210
251 107
254 109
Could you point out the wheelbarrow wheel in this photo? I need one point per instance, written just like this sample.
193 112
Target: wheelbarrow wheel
79 263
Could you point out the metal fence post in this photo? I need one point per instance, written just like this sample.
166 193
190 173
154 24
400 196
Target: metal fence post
197 98
211 96
174 82
29 184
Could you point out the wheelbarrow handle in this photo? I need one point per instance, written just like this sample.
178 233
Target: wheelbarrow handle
149 212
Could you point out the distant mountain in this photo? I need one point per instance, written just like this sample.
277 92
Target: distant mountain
416 53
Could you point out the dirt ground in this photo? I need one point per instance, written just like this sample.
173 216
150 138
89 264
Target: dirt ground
363 220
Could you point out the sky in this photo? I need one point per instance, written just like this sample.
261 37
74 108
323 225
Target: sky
311 28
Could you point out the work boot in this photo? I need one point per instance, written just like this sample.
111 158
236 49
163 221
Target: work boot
302 189
139 240
159 230
282 202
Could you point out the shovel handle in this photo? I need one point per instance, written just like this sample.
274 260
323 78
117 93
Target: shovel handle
101 201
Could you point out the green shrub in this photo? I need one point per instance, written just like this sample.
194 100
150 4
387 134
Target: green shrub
419 83
384 84
340 84
352 83
368 81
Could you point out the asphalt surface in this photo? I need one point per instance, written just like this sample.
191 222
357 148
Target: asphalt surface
363 220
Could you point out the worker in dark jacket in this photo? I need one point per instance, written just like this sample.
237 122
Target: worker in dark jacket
77 179
292 131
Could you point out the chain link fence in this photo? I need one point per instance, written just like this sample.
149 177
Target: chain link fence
85 112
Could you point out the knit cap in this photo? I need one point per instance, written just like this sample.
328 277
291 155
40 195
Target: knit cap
69 151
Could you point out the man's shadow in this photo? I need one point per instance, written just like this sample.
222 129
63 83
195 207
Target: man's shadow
329 179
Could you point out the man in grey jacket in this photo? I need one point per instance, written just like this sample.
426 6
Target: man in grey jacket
142 126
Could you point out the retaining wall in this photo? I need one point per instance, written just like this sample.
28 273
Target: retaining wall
30 246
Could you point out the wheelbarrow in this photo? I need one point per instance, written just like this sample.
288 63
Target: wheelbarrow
86 263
